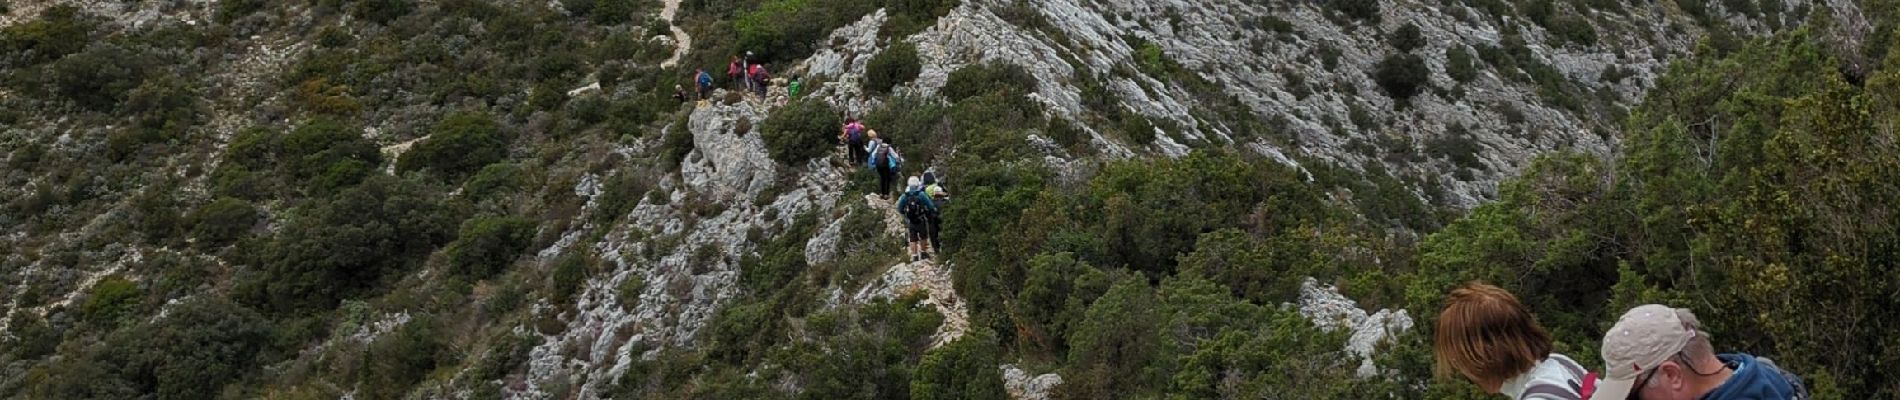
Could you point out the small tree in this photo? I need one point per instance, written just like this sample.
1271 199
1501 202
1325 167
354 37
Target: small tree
1402 76
460 145
801 131
895 66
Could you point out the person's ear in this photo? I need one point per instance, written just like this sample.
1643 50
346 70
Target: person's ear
1672 377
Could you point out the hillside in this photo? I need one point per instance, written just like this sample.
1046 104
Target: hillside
1150 198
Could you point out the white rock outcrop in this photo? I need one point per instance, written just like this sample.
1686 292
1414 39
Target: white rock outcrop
1331 311
1021 386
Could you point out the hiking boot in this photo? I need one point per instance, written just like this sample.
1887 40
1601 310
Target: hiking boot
926 255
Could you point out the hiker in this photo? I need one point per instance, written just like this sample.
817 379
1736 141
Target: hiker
791 89
705 82
919 214
885 160
854 137
736 72
760 79
679 94
1656 352
938 196
1485 335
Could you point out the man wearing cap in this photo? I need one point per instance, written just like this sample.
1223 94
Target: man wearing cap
1660 353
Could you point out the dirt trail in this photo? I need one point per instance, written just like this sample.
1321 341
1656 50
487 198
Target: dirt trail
927 276
681 41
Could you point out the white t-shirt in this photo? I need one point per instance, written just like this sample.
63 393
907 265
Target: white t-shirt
1552 372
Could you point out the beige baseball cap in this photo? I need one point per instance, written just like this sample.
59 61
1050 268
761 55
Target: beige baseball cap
1641 340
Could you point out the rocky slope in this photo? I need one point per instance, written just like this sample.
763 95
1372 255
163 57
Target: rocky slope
1292 82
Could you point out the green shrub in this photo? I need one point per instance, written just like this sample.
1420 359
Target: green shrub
1460 64
99 77
221 222
1402 76
397 361
781 30
612 12
1362 10
459 145
60 30
323 156
1573 29
566 278
962 369
989 78
344 244
1408 37
801 131
487 245
201 344
911 16
232 10
382 11
494 180
1457 146
894 66
165 107
110 299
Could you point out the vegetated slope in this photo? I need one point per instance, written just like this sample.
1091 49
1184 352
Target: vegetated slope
481 199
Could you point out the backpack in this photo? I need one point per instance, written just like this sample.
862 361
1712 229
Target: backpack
705 79
1570 390
854 131
885 156
916 207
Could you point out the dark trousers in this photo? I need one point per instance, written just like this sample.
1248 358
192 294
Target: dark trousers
935 226
855 150
885 175
705 92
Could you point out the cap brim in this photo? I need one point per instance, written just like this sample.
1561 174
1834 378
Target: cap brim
1612 389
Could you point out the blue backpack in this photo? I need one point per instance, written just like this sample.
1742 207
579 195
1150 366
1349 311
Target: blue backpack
705 79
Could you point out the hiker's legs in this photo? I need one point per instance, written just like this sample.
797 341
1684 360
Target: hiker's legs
884 177
935 228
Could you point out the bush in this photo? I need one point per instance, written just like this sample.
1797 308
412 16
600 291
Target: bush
1402 76
1460 64
566 279
801 131
201 344
1362 10
99 77
1407 38
911 16
1573 29
110 299
989 78
494 180
326 155
232 10
382 11
962 369
459 145
400 359
894 66
612 12
221 222
60 30
346 243
782 30
488 245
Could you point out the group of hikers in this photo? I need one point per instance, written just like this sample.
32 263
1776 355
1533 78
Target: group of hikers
749 73
918 204
1654 352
